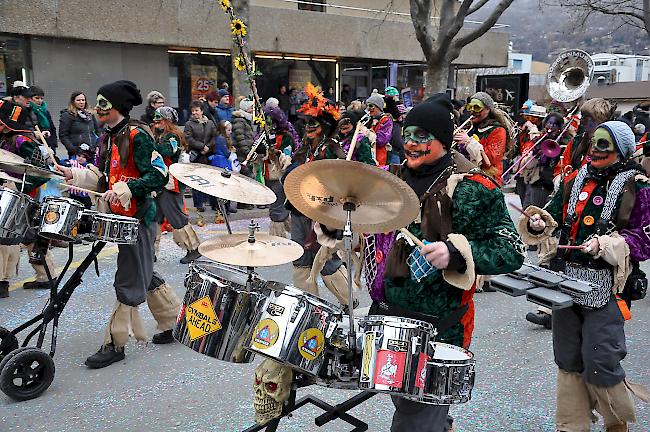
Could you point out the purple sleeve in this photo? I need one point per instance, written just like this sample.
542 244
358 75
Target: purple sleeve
637 233
383 245
384 133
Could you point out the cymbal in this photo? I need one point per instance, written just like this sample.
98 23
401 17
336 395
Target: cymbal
222 183
383 201
266 251
6 177
28 169
9 157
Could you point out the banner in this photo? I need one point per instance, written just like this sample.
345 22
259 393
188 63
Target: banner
204 80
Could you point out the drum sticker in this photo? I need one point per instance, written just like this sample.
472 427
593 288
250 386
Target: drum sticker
52 215
201 319
180 314
368 342
265 334
389 369
397 345
421 374
311 343
275 309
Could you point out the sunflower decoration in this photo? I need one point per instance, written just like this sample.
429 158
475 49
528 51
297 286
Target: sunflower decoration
225 4
238 27
240 64
260 120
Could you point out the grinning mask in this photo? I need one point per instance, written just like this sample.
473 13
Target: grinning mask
421 147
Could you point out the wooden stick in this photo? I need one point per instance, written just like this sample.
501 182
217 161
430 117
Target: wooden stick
410 235
88 191
47 147
520 210
354 141
570 247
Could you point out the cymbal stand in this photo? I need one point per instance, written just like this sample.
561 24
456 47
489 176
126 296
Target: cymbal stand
349 207
222 209
252 227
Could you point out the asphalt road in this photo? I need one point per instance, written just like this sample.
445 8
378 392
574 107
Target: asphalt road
172 388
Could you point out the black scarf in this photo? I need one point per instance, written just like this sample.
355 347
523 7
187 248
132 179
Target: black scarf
118 127
421 179
609 172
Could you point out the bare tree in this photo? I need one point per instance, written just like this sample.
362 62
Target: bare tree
442 44
630 12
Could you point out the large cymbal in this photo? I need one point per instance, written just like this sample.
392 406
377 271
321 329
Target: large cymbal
267 250
6 177
9 157
222 184
28 169
383 201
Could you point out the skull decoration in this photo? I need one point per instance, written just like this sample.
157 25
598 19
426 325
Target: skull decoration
272 387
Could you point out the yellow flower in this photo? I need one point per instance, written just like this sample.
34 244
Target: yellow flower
259 119
240 65
225 4
238 27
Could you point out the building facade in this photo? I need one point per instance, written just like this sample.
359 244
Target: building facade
615 68
183 48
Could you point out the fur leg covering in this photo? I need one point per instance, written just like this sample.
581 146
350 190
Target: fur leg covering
300 277
337 283
41 274
186 238
164 305
9 257
614 404
125 320
278 229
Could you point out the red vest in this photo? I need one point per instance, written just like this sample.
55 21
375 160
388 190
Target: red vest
126 173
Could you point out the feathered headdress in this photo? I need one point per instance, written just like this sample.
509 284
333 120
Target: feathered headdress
318 106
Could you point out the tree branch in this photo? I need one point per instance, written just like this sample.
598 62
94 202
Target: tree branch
476 7
483 28
421 17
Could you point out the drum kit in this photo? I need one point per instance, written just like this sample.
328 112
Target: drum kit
26 372
230 313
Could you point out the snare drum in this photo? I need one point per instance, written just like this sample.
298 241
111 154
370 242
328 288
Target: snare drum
218 311
294 328
449 376
395 355
86 231
115 228
16 212
60 218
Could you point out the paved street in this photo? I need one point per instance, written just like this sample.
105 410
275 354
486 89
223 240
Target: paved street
171 388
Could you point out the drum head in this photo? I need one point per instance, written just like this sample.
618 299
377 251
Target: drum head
450 352
221 271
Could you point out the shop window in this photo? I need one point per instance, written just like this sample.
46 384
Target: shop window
14 62
294 74
312 5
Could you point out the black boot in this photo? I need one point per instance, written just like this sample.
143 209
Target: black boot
540 318
36 285
487 287
191 255
4 289
163 338
106 356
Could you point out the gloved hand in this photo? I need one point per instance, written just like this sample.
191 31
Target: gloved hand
537 223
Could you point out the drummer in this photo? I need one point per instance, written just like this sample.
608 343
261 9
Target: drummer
466 224
131 169
602 206
170 141
17 138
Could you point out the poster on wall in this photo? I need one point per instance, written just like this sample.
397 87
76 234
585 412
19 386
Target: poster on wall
3 77
509 91
204 80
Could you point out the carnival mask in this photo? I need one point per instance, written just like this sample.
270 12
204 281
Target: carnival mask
421 147
313 128
552 127
603 150
588 123
103 104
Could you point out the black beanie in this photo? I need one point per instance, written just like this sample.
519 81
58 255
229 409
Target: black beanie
434 115
353 115
122 94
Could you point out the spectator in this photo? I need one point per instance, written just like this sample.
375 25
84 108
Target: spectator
38 106
210 107
221 157
331 94
80 160
155 100
271 103
77 125
284 99
200 134
242 129
294 104
346 95
355 105
223 109
396 153
639 131
642 113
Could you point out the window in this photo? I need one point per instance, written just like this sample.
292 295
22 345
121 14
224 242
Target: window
517 64
312 5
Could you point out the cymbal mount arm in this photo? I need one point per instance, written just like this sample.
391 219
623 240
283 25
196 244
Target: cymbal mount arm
252 227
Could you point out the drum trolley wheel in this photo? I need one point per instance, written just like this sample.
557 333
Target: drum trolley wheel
331 411
26 372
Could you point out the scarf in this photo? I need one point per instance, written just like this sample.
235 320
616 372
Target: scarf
41 115
420 180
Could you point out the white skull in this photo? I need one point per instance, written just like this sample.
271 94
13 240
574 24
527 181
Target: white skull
272 388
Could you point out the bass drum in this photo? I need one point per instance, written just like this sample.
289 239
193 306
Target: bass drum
218 311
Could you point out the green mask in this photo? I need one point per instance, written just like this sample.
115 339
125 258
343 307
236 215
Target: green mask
417 135
103 103
602 141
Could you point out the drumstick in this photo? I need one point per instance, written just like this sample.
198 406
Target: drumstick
570 247
88 191
410 235
47 147
520 210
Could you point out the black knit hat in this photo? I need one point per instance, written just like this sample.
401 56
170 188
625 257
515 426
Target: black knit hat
434 115
122 94
13 116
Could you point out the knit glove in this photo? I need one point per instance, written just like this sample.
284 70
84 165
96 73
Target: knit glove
123 193
476 152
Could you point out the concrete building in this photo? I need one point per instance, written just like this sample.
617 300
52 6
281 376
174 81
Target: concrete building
618 68
627 95
182 48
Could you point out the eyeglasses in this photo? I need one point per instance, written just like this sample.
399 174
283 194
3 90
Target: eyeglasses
474 107
103 103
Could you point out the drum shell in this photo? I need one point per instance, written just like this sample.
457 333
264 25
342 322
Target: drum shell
86 222
341 370
60 218
236 308
301 319
400 342
448 381
115 228
16 211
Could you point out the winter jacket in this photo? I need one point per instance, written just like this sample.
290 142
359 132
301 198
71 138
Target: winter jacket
224 113
242 133
284 102
75 130
51 140
198 134
210 113
221 153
